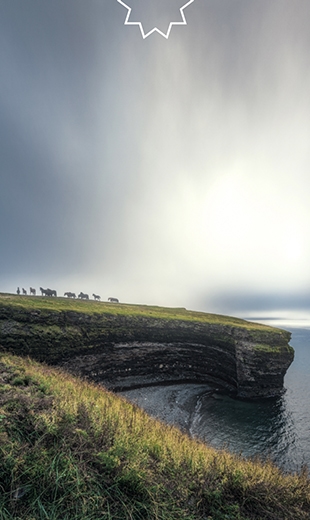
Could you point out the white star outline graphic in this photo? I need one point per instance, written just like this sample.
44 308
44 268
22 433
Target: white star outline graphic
145 35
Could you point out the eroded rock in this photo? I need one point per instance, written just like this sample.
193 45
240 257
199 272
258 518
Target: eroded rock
123 351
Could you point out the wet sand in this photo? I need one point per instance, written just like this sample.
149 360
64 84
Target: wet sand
174 404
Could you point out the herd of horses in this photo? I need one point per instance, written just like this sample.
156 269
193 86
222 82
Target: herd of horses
52 292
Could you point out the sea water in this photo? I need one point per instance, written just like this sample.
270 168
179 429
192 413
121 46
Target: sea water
277 428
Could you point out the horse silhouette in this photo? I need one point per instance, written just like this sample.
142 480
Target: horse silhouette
32 291
96 297
113 300
70 294
48 292
24 291
83 296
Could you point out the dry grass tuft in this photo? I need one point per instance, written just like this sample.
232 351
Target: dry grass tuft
70 449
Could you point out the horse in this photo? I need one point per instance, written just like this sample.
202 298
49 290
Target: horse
48 292
32 291
24 291
83 296
70 294
113 300
18 291
96 297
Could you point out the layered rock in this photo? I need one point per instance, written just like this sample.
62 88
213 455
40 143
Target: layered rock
126 351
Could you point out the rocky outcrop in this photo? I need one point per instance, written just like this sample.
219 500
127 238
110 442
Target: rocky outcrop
126 351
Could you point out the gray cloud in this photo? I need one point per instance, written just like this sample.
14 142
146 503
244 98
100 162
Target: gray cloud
241 302
159 169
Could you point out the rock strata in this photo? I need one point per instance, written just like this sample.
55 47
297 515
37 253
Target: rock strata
128 351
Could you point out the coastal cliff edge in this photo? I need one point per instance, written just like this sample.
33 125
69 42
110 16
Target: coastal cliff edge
126 346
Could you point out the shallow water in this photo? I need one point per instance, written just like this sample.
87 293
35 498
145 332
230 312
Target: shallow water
278 428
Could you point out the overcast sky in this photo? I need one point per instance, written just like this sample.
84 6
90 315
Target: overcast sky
163 171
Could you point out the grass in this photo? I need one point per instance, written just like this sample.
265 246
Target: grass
263 347
59 304
71 450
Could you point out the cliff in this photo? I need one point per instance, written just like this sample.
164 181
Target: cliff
125 346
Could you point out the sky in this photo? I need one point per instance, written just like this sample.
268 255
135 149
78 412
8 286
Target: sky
167 171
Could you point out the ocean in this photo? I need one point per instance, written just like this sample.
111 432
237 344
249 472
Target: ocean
277 428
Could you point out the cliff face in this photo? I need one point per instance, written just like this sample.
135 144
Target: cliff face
124 351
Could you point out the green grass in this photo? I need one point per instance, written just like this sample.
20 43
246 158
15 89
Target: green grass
32 303
263 347
71 450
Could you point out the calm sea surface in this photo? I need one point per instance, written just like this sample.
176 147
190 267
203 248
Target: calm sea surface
277 428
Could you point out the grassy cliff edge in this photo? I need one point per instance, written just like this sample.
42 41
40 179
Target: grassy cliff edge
72 450
110 342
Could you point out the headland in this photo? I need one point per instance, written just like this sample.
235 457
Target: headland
127 346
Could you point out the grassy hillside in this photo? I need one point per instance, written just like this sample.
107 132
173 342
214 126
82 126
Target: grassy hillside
71 450
59 304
